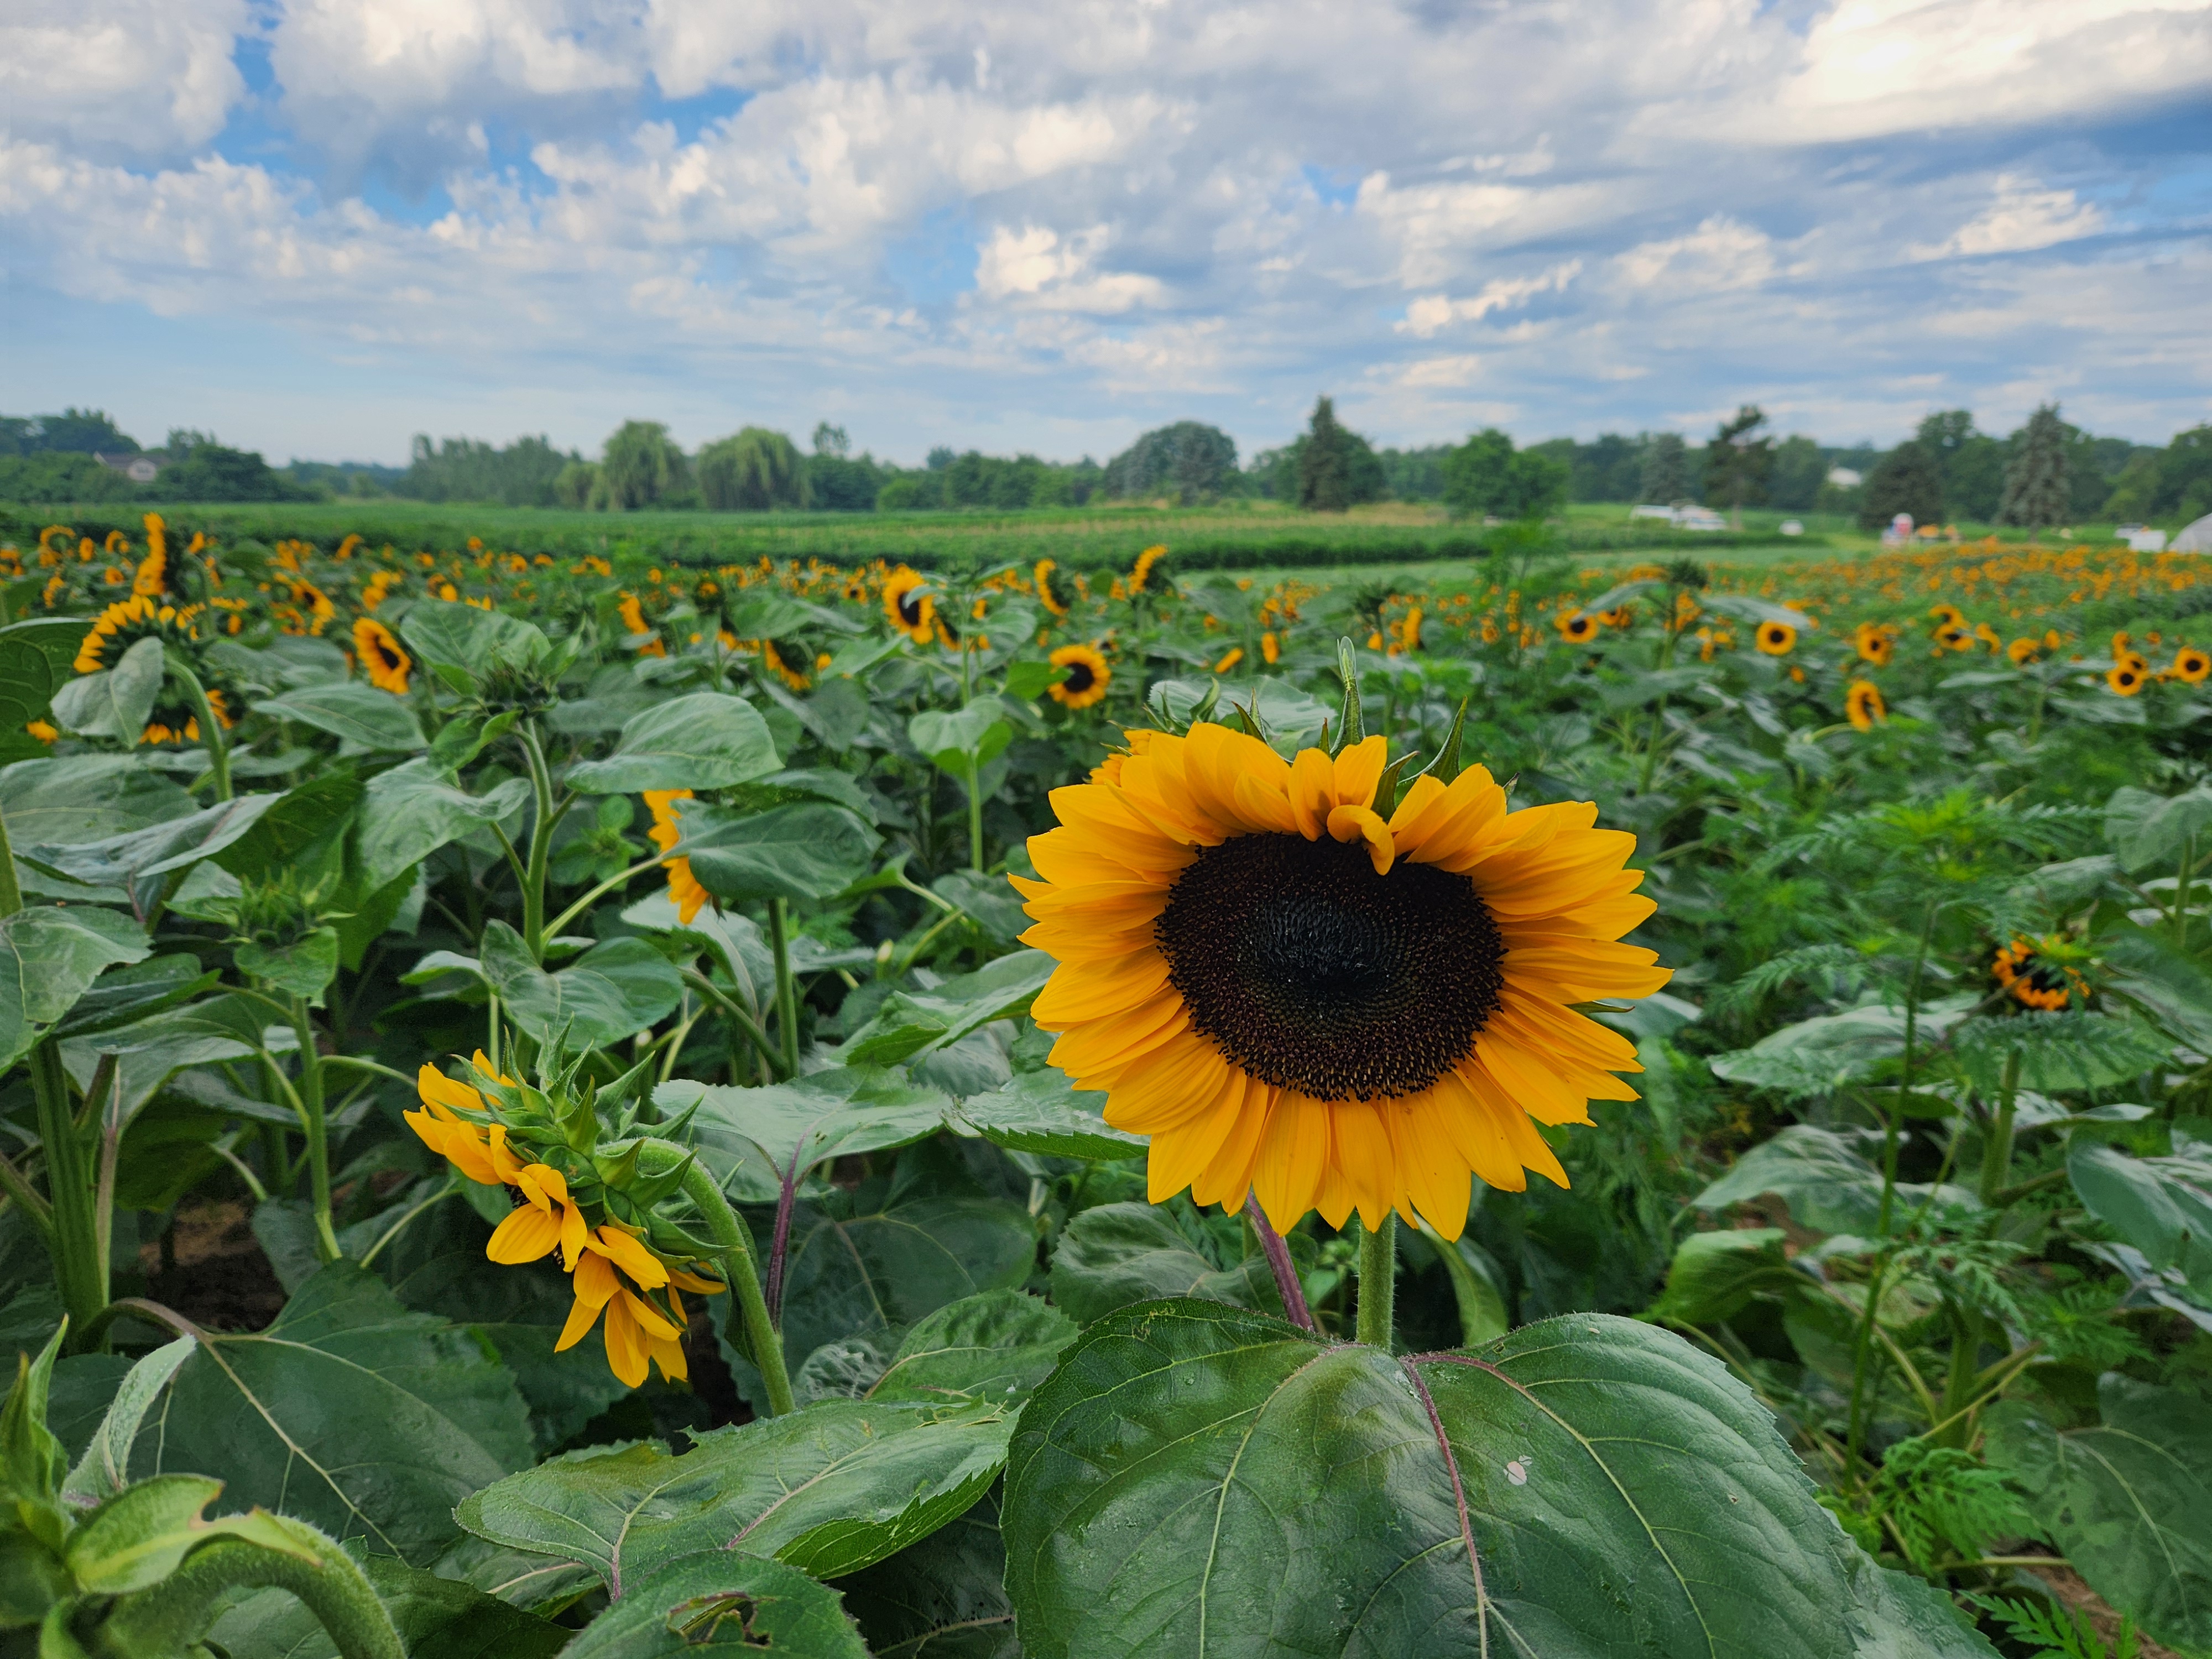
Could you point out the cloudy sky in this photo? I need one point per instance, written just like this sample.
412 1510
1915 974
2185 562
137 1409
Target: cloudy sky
316 227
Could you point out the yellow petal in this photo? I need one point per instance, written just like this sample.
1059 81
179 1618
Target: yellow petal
526 1234
1363 823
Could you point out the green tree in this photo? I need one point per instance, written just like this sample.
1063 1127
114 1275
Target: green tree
1800 469
1190 459
1738 460
753 470
641 467
2037 485
1666 472
1971 463
1909 479
830 440
1336 467
2135 494
2185 474
1485 476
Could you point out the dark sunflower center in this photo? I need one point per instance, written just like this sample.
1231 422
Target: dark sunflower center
909 609
1079 679
1313 973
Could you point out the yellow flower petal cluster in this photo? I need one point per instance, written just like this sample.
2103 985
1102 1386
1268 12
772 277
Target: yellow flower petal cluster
683 889
1296 996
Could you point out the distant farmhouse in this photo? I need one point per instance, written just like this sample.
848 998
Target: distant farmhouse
141 468
1844 478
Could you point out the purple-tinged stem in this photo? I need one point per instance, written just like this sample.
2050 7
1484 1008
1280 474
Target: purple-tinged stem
780 1246
1278 1260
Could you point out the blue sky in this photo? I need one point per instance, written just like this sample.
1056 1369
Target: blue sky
318 227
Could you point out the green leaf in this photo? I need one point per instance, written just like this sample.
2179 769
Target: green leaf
30 1456
349 1411
944 1598
411 811
140 1536
2161 1205
352 710
103 1470
791 1126
2129 1501
1042 1112
953 741
462 636
437 1618
611 993
86 797
1819 1056
2058 1052
994 1348
49 957
857 1275
36 660
1289 718
1714 1275
806 852
152 1049
722 1602
125 859
2169 986
910 1021
1896 1615
1829 1184
299 969
989 900
706 740
1113 1254
1198 1480
2146 832
124 994
114 702
828 1490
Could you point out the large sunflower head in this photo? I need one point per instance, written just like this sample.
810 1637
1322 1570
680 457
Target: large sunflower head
1088 676
1297 996
1577 626
2126 678
125 622
382 657
1862 705
909 605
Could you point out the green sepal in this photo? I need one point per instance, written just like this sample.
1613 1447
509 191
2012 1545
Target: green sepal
31 1462
1349 730
142 1534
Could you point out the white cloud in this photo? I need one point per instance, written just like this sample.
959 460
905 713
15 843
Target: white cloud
137 78
1432 312
2021 219
1040 265
1720 254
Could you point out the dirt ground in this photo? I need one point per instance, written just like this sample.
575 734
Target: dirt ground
211 1270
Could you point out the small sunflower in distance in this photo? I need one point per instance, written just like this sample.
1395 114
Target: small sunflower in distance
2190 666
1576 627
1088 676
2043 974
908 604
2024 651
2126 678
1862 705
1296 997
1874 644
382 658
1775 639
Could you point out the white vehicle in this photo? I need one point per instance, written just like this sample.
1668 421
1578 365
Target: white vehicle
1698 518
1652 510
1793 527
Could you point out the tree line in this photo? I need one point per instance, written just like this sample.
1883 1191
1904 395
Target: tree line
2046 472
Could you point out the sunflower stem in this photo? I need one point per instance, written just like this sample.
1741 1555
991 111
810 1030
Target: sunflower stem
786 997
1280 1263
211 733
760 1341
1997 1151
70 1192
318 1133
1378 1283
1349 729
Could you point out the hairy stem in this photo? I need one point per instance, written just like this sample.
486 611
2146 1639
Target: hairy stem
76 1248
1378 1283
735 1247
173 1614
1280 1263
786 995
1997 1151
311 1122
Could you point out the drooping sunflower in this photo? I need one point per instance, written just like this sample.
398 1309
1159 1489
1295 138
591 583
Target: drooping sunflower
1575 626
1148 565
2126 678
1947 615
2192 665
2043 973
683 889
382 658
1089 674
125 622
788 662
1955 636
908 604
1775 639
1271 648
1862 705
1049 595
1230 659
1874 644
2024 651
1296 997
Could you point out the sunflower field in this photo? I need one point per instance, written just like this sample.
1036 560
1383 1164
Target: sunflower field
568 1105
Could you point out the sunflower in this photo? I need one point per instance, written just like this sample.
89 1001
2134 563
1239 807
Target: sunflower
1947 616
387 665
637 1332
2024 651
1088 676
2191 665
1955 636
908 602
2040 973
683 889
2126 678
1294 996
1775 639
1862 705
1874 644
125 622
178 722
855 590
1575 627
1147 567
1047 594
631 608
788 662
1409 629
1271 648
1235 655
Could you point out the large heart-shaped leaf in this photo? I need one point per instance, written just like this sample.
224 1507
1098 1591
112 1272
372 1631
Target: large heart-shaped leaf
1196 1480
349 1412
411 811
37 658
1113 1254
349 709
723 1602
114 702
706 740
124 859
828 1490
794 1125
944 1598
1828 1182
2161 1205
994 1347
462 636
2130 1501
1042 1112
2145 831
86 797
805 852
612 991
49 958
